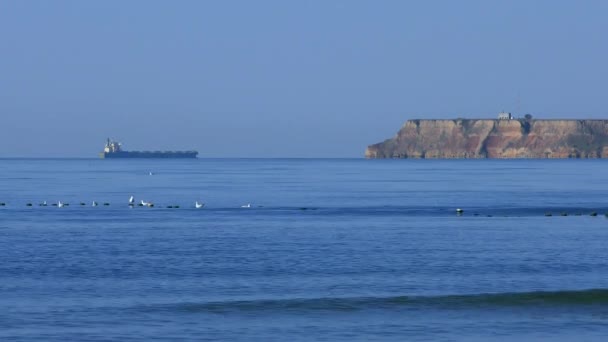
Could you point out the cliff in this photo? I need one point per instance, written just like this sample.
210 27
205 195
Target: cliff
482 138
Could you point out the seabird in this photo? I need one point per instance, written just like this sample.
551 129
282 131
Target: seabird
94 204
131 200
60 205
248 205
198 205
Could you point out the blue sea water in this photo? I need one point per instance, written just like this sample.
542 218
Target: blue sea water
330 250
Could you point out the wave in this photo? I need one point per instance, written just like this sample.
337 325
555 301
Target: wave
327 211
419 211
536 299
450 211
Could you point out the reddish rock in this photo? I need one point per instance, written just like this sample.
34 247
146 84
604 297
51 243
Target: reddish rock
473 138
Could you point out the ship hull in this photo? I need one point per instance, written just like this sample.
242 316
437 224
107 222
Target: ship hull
148 154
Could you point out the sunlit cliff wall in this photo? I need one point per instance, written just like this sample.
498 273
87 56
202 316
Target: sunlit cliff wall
481 138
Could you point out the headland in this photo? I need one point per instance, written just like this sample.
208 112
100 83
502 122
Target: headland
505 137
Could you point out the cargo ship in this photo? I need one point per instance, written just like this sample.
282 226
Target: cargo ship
113 149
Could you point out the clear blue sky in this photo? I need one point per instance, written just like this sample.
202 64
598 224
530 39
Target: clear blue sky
285 78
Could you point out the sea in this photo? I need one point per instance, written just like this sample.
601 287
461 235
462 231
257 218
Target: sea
304 250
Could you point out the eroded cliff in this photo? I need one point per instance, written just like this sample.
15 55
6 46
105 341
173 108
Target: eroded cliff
482 138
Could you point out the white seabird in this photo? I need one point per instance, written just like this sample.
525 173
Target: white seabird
60 204
132 200
248 205
198 205
146 204
94 204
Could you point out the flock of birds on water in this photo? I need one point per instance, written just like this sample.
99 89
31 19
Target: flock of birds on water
199 205
142 203
131 204
459 212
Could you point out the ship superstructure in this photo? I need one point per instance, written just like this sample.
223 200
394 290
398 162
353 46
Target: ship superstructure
113 149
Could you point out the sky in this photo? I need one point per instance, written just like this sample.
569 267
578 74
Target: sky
272 79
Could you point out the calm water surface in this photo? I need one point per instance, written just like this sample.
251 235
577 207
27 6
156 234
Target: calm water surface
330 250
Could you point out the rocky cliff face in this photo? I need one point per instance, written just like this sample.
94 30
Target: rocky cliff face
472 138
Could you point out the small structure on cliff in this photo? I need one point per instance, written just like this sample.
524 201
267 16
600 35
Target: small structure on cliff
505 116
